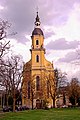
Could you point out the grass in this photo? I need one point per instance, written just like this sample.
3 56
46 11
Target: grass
51 114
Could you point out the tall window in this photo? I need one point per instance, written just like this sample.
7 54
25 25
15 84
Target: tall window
37 42
28 89
37 58
37 83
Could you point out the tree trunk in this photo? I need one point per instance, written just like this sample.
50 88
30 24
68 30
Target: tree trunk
14 104
6 96
14 100
32 100
54 101
7 100
64 99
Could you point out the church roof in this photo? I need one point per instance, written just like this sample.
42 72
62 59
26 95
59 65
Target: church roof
37 31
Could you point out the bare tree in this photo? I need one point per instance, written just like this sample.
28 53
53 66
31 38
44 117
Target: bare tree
4 45
52 89
56 82
11 76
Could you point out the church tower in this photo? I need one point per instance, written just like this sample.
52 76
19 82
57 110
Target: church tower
37 50
36 72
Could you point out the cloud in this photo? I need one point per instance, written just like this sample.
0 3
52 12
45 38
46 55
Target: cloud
57 11
69 57
20 49
71 29
62 44
1 7
48 34
22 13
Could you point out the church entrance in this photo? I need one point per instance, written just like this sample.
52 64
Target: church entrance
38 104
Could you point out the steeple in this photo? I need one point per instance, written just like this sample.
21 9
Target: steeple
37 22
37 30
37 38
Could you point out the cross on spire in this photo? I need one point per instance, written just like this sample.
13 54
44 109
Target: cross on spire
37 9
37 22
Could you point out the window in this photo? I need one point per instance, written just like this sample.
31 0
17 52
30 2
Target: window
37 58
37 83
28 89
37 42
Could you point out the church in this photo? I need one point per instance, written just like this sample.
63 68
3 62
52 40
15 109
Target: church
36 73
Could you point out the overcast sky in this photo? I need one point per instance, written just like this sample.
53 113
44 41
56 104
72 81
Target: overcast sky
60 22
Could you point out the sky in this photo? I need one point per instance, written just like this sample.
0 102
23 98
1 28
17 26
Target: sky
60 22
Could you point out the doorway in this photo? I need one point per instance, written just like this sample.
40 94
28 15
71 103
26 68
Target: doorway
38 104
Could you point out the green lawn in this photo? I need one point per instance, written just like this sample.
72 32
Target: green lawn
51 114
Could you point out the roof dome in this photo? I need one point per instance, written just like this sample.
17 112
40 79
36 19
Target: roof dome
37 31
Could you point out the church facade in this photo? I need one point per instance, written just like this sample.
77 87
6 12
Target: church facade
36 72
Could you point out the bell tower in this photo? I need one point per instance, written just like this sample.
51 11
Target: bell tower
37 48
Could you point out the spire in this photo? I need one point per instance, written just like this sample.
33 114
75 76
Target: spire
37 18
37 22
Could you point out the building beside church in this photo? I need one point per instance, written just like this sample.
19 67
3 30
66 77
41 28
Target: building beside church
36 72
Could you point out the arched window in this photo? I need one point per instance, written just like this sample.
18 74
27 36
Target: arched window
37 83
37 58
28 89
37 42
